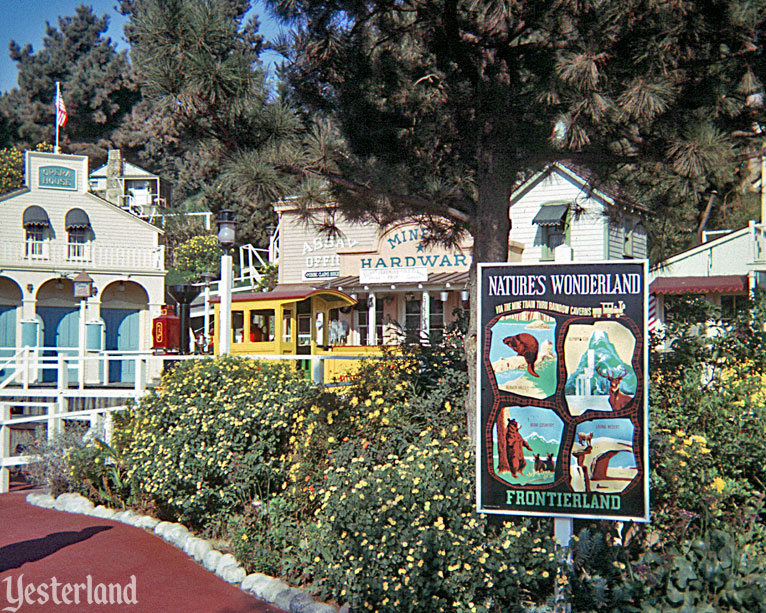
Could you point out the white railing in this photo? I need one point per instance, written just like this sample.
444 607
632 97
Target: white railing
54 414
12 363
95 256
54 400
250 261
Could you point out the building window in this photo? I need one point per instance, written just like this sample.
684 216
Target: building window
732 305
35 243
412 320
287 326
238 326
436 320
553 236
76 244
304 330
554 221
262 325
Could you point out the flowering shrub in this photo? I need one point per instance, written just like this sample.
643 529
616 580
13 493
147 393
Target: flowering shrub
707 406
209 441
403 536
198 255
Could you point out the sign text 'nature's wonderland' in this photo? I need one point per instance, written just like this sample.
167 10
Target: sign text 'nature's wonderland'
562 407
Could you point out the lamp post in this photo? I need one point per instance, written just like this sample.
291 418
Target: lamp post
82 287
227 234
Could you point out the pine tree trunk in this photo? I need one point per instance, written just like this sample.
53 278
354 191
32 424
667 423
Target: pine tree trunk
490 236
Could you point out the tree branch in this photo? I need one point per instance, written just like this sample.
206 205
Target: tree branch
425 205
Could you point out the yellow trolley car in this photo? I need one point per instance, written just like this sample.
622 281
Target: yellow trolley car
304 321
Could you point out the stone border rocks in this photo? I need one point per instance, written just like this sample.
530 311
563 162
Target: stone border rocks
274 591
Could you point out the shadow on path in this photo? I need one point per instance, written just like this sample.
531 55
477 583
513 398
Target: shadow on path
16 554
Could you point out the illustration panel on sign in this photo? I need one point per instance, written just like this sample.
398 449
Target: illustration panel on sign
598 365
603 459
522 354
526 442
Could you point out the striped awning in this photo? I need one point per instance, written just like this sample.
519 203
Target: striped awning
76 219
717 284
551 214
35 216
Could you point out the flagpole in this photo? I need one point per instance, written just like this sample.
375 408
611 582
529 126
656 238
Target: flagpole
56 118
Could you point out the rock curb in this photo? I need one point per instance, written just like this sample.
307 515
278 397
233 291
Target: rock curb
272 590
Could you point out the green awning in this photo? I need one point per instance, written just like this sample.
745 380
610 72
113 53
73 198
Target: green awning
35 216
551 214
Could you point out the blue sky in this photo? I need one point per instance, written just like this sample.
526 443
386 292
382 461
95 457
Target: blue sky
24 21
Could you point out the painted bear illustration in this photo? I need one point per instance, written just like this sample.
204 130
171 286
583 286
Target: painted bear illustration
515 444
526 346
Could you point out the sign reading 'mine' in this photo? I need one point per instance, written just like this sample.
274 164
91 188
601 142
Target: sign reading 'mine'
57 177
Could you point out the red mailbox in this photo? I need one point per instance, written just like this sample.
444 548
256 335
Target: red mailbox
166 330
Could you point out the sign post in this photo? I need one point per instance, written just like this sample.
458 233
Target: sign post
562 400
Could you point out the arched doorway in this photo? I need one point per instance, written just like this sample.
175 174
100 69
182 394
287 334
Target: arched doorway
59 313
122 303
10 304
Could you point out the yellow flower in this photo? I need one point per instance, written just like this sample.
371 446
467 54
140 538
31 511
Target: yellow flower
718 484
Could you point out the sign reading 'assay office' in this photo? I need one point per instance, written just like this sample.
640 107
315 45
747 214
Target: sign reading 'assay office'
562 407
57 177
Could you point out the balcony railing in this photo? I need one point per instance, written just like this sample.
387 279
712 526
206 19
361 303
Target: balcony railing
75 255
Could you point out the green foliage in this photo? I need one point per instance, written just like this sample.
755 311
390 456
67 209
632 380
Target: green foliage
11 169
198 255
445 108
52 471
712 573
100 469
599 577
222 135
208 417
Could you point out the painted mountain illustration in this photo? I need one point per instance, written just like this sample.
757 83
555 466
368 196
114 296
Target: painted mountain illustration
600 355
543 446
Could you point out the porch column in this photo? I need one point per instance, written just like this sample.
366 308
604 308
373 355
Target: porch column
372 329
425 318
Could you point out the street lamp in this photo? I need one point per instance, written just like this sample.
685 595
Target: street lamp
227 234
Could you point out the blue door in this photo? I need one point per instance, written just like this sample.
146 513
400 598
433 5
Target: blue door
122 334
7 334
61 327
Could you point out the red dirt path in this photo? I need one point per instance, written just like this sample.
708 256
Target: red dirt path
42 544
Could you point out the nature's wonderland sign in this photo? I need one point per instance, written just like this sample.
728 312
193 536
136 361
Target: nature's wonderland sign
562 407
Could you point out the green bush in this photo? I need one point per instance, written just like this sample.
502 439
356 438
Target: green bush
713 573
213 437
404 536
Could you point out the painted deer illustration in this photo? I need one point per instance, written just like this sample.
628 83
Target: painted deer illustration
617 399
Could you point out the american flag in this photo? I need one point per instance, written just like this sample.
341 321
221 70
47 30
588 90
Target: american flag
61 115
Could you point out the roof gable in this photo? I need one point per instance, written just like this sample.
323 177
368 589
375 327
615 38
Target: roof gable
582 179
128 171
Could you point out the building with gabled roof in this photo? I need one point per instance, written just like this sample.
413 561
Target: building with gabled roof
560 214
53 230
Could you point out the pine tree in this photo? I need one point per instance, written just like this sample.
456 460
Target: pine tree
445 107
95 82
199 68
